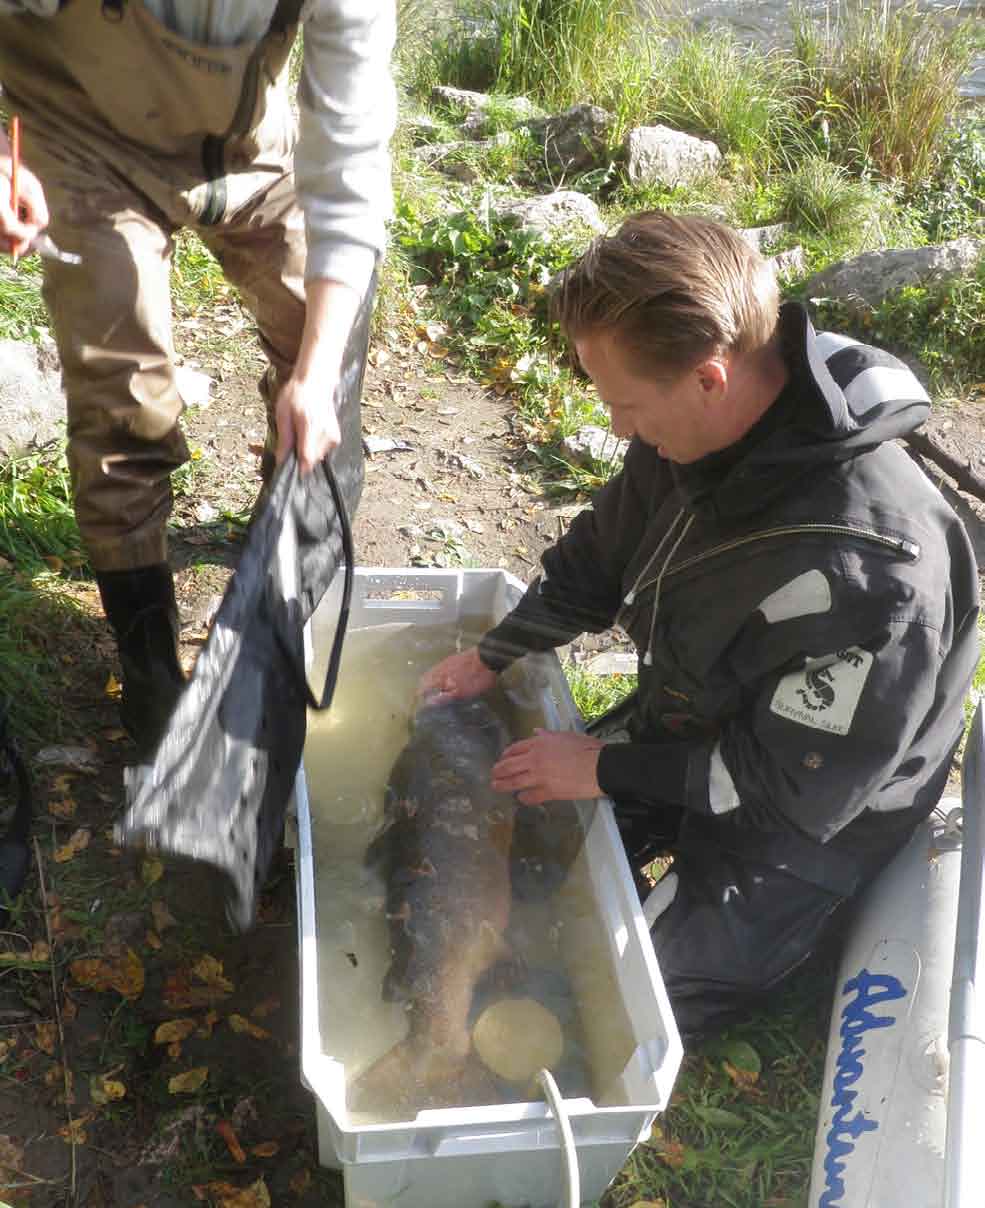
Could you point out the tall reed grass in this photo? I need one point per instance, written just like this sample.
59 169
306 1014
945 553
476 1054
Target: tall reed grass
880 84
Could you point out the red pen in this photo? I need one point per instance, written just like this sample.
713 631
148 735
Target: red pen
15 156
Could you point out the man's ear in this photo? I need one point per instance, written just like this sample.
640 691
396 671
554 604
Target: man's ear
713 377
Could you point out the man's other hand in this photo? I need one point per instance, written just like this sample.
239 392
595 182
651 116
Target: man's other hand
457 677
552 766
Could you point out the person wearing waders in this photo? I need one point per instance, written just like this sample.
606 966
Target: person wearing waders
140 117
802 599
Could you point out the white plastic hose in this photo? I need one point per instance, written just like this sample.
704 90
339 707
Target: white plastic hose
569 1154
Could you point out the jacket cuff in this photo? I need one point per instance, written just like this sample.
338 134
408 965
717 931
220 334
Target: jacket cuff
500 647
350 264
646 772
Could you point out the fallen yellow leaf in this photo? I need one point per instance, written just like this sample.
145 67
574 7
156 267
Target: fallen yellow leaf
79 841
151 871
62 782
46 1036
75 1132
189 1081
6 1048
254 1196
113 689
123 973
265 1008
105 1090
209 970
153 940
64 807
266 1149
241 1024
174 1029
228 1134
11 1154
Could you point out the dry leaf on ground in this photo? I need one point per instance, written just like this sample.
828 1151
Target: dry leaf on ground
75 1133
266 1149
123 973
242 1025
79 841
209 970
46 1036
11 1154
191 1080
228 1134
267 1007
63 807
103 1089
174 1030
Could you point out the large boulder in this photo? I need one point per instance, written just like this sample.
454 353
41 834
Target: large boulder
658 155
554 214
576 140
867 279
32 406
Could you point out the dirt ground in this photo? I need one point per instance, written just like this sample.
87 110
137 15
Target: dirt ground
97 1106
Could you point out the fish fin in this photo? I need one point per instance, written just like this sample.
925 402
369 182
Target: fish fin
412 1077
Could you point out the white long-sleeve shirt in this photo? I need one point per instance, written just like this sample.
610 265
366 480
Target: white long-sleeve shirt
347 112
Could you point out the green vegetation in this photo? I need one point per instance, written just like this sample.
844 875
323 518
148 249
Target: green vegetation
881 84
853 139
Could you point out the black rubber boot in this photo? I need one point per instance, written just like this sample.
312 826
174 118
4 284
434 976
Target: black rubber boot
141 608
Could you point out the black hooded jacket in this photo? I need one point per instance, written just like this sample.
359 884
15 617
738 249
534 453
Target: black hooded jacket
804 608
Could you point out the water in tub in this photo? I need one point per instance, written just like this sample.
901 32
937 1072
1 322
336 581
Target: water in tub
528 1006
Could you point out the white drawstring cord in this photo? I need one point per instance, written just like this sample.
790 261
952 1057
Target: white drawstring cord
648 656
569 1154
630 597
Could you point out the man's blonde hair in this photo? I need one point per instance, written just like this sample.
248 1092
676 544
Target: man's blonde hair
672 290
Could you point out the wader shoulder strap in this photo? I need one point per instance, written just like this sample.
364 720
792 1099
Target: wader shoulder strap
285 16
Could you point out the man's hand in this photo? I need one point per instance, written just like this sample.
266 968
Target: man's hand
305 408
17 230
457 677
306 421
551 766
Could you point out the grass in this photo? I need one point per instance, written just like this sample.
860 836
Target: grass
37 522
22 312
880 84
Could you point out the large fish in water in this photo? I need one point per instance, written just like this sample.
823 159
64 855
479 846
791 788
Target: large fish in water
444 852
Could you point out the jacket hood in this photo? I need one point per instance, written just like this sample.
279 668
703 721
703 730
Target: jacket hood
843 398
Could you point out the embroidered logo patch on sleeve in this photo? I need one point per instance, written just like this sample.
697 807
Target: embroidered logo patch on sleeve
826 692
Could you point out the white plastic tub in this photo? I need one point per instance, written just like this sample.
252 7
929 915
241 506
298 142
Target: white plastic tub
508 1153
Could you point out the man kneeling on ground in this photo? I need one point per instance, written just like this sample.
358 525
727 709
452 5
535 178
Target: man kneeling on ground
802 599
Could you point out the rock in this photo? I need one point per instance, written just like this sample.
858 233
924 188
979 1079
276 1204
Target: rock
420 127
612 662
790 263
592 444
869 278
459 159
763 237
554 213
576 140
482 112
657 155
32 406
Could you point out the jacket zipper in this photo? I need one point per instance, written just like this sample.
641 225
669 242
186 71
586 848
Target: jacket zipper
900 545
